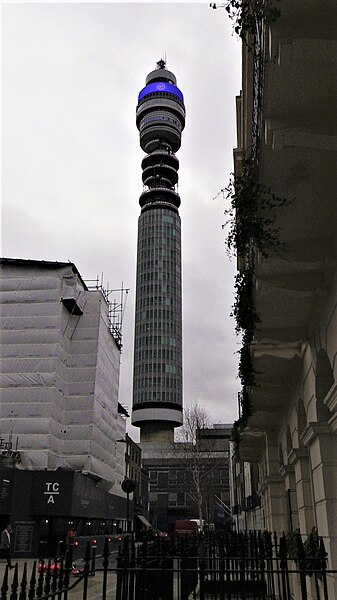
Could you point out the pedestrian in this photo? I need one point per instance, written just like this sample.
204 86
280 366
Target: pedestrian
71 535
5 545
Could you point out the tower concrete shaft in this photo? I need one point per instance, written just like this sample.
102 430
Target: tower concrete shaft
157 377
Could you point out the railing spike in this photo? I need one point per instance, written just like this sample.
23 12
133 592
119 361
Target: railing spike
106 554
32 582
86 556
15 584
322 554
60 575
106 550
47 577
54 580
39 588
4 587
23 586
68 565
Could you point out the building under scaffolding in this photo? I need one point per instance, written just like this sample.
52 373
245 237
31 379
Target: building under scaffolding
59 381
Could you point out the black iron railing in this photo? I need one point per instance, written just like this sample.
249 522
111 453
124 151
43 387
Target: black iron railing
236 566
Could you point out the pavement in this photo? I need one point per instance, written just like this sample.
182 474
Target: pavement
76 593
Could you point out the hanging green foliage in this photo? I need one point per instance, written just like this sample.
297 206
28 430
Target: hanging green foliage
247 13
251 225
310 554
243 309
251 215
246 369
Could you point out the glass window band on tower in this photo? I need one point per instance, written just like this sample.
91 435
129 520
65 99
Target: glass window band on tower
157 377
158 340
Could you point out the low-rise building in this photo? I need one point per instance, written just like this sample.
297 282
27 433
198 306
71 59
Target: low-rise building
172 483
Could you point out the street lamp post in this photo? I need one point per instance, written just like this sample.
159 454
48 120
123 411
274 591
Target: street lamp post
128 486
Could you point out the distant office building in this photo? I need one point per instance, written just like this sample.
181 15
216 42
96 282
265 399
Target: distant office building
134 469
157 379
172 490
60 415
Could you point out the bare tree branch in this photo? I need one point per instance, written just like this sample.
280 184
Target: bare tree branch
194 453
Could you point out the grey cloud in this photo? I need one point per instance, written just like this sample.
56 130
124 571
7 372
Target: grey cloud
71 157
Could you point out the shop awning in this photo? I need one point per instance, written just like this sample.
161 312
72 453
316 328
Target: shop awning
144 521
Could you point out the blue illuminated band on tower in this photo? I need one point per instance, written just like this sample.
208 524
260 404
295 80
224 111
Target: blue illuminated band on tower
157 376
161 86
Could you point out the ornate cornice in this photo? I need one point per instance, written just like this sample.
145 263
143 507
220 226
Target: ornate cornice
296 454
333 422
286 469
330 399
269 480
312 431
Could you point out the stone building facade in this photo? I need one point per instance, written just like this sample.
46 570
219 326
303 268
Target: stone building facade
287 128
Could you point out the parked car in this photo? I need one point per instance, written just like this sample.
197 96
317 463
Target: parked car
184 528
42 567
161 534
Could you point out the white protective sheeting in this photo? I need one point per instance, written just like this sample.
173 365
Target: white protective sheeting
119 456
59 372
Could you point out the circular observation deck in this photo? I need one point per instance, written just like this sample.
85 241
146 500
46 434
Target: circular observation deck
160 113
160 157
159 195
160 175
161 75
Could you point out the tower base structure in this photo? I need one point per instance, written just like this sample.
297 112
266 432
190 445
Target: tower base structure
157 432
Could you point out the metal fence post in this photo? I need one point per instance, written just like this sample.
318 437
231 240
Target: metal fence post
4 587
106 554
23 586
86 571
15 584
202 570
131 566
60 575
284 567
46 589
31 592
68 565
302 566
119 575
322 557
39 589
54 580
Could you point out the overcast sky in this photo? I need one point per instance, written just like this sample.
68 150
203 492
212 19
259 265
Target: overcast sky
72 161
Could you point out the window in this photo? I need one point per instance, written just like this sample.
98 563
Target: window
153 476
172 499
163 479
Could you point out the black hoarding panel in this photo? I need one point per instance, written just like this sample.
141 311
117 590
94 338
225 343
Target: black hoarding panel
116 507
6 490
88 499
51 493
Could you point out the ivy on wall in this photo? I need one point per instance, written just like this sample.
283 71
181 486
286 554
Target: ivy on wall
251 224
251 215
251 219
310 555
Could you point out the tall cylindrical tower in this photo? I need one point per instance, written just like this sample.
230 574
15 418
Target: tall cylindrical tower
157 377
